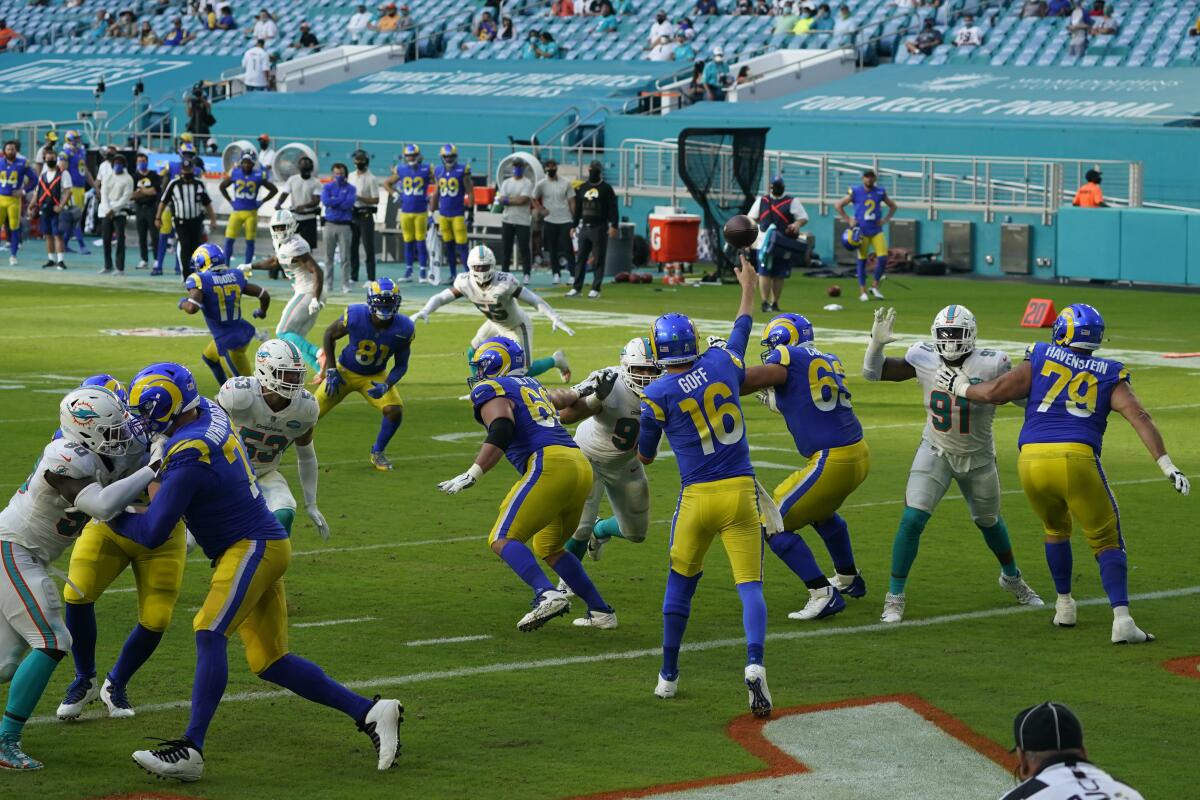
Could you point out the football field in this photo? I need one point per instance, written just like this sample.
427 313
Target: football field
406 600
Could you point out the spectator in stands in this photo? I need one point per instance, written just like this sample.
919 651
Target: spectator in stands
549 48
695 89
360 21
405 22
389 20
785 19
177 35
147 185
661 27
99 26
1089 194
608 22
706 8
823 21
506 29
256 68
625 8
1033 8
685 25
125 27
485 27
927 39
307 40
1078 28
147 37
210 17
843 26
683 52
264 28
970 34
1103 23
804 23
366 202
743 76
716 75
529 50
662 50
225 20
1058 8
305 192
562 8
115 200
745 8
516 198
762 8
9 37
338 197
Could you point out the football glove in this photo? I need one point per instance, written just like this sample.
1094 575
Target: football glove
333 382
606 379
953 380
378 389
767 398
556 324
464 481
258 313
421 315
315 306
881 328
1178 480
157 450
246 269
318 521
717 341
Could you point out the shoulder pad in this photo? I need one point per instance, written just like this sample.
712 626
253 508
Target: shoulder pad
194 281
921 354
237 394
69 459
779 355
1123 373
487 390
649 404
1029 351
293 248
309 404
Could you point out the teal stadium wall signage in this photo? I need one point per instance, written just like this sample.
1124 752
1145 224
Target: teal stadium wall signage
80 74
481 82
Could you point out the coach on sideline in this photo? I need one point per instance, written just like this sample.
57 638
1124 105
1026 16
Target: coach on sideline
1052 761
190 205
596 220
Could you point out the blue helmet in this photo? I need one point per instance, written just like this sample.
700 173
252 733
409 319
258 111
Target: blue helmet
106 381
675 339
160 393
852 238
208 256
1078 325
449 154
412 154
787 329
187 149
382 298
495 357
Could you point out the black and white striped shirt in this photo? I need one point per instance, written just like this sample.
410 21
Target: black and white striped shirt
186 199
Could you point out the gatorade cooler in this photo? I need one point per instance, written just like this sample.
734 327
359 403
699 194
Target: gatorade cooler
673 236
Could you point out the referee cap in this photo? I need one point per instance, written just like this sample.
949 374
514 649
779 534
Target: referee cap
1047 727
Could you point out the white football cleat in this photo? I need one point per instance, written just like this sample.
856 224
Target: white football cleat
876 293
1125 631
1021 590
551 604
604 620
562 365
382 725
566 590
80 693
863 297
572 293
557 279
666 689
823 602
593 294
893 608
178 759
113 696
1064 611
12 261
760 695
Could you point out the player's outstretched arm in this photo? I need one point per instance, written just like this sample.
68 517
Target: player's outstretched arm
269 262
497 416
437 301
586 398
877 367
306 466
102 502
264 298
529 297
1126 403
1010 386
193 303
179 485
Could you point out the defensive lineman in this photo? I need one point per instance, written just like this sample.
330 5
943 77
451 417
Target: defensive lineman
956 445
294 256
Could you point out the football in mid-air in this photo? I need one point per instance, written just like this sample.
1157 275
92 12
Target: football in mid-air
740 231
834 291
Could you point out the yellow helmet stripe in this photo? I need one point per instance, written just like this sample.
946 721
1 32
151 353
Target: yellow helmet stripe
157 382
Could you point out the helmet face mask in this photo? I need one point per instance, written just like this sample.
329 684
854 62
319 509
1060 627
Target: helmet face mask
95 418
482 263
280 368
383 299
638 369
160 393
788 330
954 331
449 155
412 155
283 226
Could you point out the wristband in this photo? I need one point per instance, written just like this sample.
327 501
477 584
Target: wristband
475 471
593 402
1166 466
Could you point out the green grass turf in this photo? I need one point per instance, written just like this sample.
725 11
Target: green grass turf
553 732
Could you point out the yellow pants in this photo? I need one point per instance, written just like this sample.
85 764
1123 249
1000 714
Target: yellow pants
815 493
235 361
242 220
353 382
168 222
878 243
100 555
10 211
543 508
77 195
454 229
1065 483
726 508
246 595
413 226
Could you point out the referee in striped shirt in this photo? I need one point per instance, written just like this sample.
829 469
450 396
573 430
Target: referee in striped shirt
190 205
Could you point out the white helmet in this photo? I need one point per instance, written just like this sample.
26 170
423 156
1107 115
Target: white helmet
280 368
482 264
638 368
283 226
97 419
954 332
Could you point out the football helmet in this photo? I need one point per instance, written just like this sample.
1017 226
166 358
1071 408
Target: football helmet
283 226
481 262
187 149
208 256
280 368
675 340
449 155
249 155
495 357
160 393
638 369
1078 325
72 136
382 298
954 332
786 329
96 418
852 238
106 381
412 154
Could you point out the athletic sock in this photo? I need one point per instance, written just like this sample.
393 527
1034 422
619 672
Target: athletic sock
81 623
216 369
422 254
880 266
1114 576
998 542
303 677
677 607
208 686
904 547
576 547
571 570
308 350
836 535
521 561
228 251
134 653
450 254
14 241
410 255
1061 564
58 258
286 517
387 429
754 619
795 552
862 274
607 528
463 252
249 251
160 251
540 365
28 684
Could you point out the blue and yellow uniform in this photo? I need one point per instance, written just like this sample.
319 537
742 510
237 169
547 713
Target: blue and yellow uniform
363 361
453 183
868 209
414 181
16 177
222 309
76 156
543 508
244 217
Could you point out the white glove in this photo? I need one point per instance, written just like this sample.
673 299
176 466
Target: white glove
158 446
189 541
717 341
422 315
464 481
881 328
246 268
1177 478
953 380
556 324
315 305
767 398
318 521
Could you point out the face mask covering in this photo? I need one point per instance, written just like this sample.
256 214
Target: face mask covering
777 189
306 173
143 167
518 172
118 168
340 179
594 175
362 165
552 171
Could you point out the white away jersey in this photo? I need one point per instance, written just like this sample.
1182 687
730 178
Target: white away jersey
264 432
955 426
303 280
610 437
497 301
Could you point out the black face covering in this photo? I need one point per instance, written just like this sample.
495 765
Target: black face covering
305 173
777 189
360 164
594 175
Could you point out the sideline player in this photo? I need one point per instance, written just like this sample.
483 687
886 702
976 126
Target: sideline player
415 177
807 386
94 470
495 294
542 509
246 179
271 410
867 200
453 197
956 445
377 334
1070 392
292 253
16 178
207 479
81 178
217 291
696 404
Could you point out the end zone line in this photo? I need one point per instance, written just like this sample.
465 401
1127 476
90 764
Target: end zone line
628 655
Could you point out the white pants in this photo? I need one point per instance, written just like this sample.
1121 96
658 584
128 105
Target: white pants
522 333
275 491
930 478
628 493
296 317
31 605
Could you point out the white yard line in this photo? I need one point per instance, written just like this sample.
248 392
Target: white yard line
328 622
448 640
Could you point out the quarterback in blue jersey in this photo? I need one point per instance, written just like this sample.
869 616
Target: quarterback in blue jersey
1070 392
695 403
247 179
378 334
542 509
868 200
454 200
16 178
216 291
207 481
415 177
808 388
